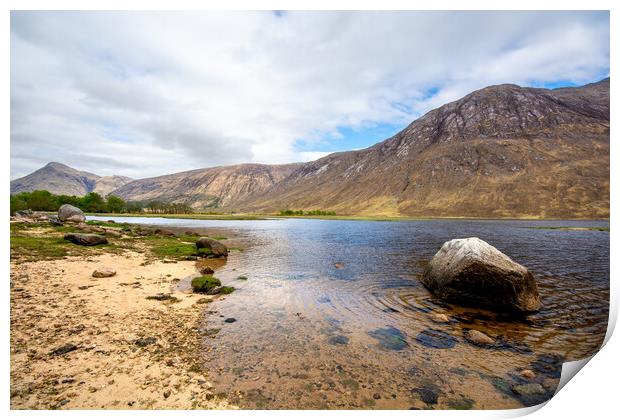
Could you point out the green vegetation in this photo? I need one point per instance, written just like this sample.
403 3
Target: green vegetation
226 290
42 200
49 243
203 284
462 403
595 228
289 212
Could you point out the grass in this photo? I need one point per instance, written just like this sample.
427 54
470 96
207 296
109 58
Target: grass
171 247
48 243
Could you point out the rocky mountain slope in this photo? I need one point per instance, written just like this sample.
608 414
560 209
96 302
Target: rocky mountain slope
62 179
217 187
502 151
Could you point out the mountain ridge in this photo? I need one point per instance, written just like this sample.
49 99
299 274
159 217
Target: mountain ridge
500 151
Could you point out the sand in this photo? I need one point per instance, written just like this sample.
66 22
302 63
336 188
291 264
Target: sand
132 352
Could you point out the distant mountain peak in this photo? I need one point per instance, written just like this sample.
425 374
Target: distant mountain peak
59 178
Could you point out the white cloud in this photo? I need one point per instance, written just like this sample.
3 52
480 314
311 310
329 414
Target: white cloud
146 93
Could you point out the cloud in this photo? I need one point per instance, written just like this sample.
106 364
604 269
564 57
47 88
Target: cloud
147 93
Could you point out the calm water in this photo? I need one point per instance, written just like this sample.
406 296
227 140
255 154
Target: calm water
332 314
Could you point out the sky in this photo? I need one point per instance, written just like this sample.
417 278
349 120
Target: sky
143 94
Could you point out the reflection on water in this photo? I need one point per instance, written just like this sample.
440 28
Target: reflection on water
332 315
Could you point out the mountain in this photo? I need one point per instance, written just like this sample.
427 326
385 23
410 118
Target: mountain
62 179
502 151
221 186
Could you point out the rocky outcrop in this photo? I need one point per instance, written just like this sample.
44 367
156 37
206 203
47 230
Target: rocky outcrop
473 273
213 247
86 239
69 213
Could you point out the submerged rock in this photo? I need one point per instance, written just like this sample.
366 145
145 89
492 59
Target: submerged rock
70 213
439 318
472 272
104 272
216 248
436 339
86 239
389 338
478 338
529 389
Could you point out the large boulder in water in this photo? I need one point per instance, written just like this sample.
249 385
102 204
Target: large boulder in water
70 213
86 239
472 272
216 248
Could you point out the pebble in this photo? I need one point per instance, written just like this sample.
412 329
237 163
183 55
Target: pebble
527 374
230 320
529 389
439 318
478 338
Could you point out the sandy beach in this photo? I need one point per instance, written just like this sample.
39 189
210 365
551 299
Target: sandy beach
83 342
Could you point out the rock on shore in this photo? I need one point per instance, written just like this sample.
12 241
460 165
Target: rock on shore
217 248
472 272
86 239
70 213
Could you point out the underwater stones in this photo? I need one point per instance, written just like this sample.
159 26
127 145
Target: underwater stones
85 239
478 338
389 338
204 270
69 213
428 395
472 272
527 374
335 340
529 389
439 318
216 248
436 339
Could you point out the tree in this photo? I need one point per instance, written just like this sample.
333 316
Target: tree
42 200
116 204
92 203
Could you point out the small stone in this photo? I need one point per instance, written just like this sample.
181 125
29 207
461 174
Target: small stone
166 393
528 389
143 342
64 349
478 338
104 272
339 265
527 374
230 320
376 396
206 270
439 318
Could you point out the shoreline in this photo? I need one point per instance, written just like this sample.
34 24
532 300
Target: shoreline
257 216
130 341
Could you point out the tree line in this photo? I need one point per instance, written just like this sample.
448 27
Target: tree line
42 200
